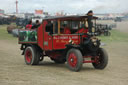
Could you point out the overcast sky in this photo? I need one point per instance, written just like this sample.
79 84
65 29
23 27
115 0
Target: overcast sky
68 6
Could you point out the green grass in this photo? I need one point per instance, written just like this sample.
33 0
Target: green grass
116 36
4 34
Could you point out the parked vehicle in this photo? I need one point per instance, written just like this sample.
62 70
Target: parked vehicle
118 19
103 29
10 28
70 39
22 22
15 32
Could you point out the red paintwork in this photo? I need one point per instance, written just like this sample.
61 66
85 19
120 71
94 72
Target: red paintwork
40 35
82 30
29 26
72 59
44 39
54 42
91 61
67 30
28 56
47 41
59 41
54 55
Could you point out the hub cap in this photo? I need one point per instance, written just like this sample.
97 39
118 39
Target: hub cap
72 60
28 56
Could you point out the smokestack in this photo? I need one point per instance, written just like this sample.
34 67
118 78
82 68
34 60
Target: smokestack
16 7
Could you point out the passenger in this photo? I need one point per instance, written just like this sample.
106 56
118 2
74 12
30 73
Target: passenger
36 25
83 29
66 30
29 25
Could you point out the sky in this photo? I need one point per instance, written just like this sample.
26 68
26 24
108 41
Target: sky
67 6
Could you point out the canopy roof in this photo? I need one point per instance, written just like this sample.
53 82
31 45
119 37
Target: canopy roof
69 18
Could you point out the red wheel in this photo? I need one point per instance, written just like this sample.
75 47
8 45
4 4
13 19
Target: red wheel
74 59
28 56
101 59
31 56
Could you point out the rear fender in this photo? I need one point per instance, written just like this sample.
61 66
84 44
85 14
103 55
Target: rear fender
24 46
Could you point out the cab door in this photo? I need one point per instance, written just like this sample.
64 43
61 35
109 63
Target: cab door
44 38
47 38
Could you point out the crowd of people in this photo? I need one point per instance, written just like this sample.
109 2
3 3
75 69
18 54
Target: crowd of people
35 26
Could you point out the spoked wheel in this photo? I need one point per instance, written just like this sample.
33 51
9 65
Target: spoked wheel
101 59
74 60
30 56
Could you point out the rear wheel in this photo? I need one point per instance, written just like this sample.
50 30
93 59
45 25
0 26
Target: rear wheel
101 59
74 60
31 56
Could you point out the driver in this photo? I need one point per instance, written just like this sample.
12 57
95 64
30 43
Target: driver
83 29
66 29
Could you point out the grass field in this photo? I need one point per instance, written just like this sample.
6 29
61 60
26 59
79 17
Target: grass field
4 34
116 36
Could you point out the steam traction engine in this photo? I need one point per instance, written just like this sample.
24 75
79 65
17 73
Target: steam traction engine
70 39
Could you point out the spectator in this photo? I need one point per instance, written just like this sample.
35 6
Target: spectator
29 25
36 25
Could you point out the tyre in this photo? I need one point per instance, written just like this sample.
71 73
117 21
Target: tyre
74 60
101 59
31 56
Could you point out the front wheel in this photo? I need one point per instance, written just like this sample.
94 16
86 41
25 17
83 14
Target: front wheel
101 59
74 60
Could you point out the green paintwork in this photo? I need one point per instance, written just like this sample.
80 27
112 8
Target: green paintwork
27 36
